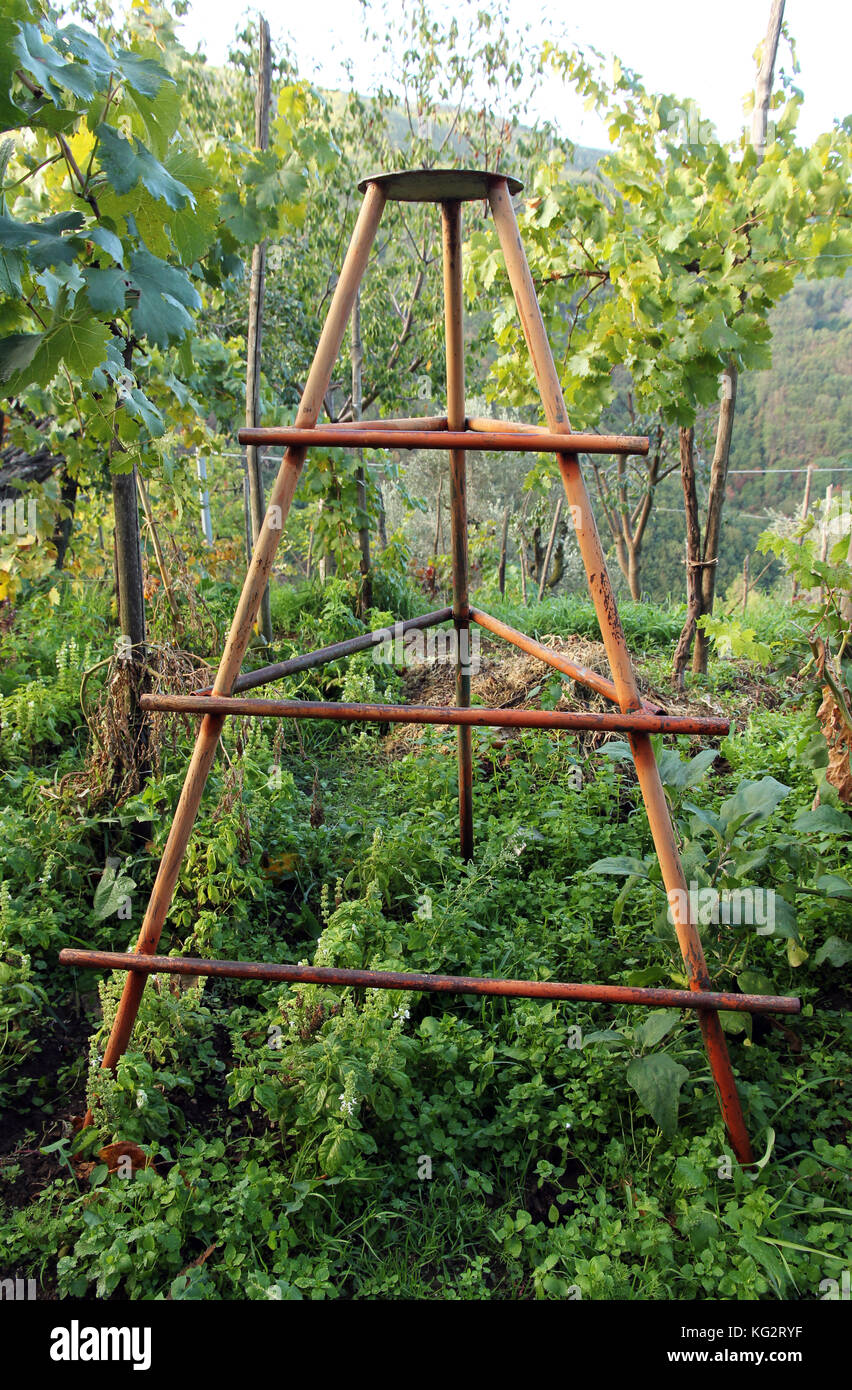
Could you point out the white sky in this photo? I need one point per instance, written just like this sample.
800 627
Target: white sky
697 50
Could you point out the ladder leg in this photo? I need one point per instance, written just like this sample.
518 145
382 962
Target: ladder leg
454 322
244 617
647 771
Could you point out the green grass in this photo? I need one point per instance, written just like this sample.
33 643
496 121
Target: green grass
373 1145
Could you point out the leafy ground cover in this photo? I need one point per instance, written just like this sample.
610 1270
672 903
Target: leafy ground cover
312 1143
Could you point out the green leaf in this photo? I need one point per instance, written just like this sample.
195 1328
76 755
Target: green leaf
79 344
679 772
108 241
836 951
783 919
834 886
16 352
826 820
701 1229
656 1026
137 405
44 242
50 71
657 1080
751 803
165 296
142 74
618 864
111 891
243 221
91 50
333 1152
125 164
106 290
753 982
718 335
194 229
764 1255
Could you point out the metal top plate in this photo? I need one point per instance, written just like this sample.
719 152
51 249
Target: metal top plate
438 185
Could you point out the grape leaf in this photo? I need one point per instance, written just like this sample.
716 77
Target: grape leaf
106 290
142 74
44 241
79 344
108 241
165 296
125 164
48 69
16 352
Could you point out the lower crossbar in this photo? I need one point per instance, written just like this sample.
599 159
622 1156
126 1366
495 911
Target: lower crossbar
651 997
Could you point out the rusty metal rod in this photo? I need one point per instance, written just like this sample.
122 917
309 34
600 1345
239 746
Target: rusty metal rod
637 721
602 684
251 679
651 997
520 442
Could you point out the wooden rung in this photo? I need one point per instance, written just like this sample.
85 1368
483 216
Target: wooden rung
534 442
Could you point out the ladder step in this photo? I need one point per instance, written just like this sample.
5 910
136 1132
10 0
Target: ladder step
650 997
366 436
637 722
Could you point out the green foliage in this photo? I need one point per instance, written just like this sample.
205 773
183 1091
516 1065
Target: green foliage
120 221
573 1154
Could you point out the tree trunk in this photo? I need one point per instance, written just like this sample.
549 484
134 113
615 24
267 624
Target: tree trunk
501 569
546 566
255 324
64 527
132 654
686 440
633 571
715 503
724 429
131 618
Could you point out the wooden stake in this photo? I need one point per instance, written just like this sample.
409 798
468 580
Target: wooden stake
542 583
158 552
454 322
365 598
504 540
254 342
805 508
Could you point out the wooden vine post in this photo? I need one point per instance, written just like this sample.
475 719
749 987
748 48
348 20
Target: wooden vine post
254 466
